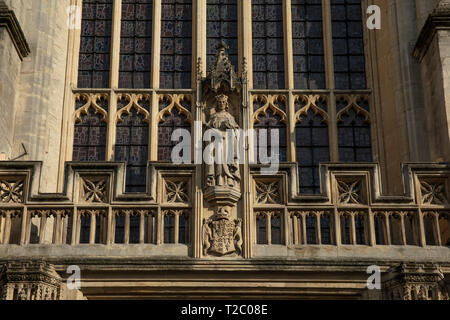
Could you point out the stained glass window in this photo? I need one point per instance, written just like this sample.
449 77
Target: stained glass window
221 26
348 44
176 120
132 147
268 46
312 148
354 136
135 44
95 46
89 142
176 44
307 38
271 122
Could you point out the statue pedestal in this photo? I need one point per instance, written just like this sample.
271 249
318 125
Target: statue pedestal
222 195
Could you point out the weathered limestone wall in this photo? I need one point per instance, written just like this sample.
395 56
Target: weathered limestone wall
41 87
9 73
423 9
435 68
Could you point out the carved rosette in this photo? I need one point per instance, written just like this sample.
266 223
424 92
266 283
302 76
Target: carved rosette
30 280
11 190
222 236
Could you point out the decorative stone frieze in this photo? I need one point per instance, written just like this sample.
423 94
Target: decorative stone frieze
415 281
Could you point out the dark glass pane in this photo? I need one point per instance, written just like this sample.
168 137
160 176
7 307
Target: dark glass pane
354 138
261 234
348 44
171 122
221 25
275 224
270 123
311 230
169 229
268 46
132 146
325 231
312 148
89 142
176 44
135 44
95 45
307 41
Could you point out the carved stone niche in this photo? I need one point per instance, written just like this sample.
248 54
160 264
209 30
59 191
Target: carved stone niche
413 281
30 280
222 99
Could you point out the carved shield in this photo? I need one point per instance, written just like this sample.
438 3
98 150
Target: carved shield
222 236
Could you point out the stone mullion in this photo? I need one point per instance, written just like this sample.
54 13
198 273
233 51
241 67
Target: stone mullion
403 231
110 226
7 228
337 227
437 234
245 38
387 229
304 237
115 44
43 222
176 216
352 228
329 68
285 229
23 227
67 126
141 227
288 53
126 228
372 236
199 60
153 130
156 44
318 233
92 227
295 235
57 234
422 239
160 226
269 228
75 236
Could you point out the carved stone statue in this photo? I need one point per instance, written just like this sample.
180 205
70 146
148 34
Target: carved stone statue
224 171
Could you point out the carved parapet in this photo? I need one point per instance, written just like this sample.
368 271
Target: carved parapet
30 280
414 281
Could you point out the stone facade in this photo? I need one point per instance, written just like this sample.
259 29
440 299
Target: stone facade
251 235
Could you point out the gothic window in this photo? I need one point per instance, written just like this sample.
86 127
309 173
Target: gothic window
270 123
132 144
171 119
89 142
325 231
222 25
135 44
268 45
312 148
261 227
348 44
275 226
354 136
307 41
176 44
169 228
311 229
95 45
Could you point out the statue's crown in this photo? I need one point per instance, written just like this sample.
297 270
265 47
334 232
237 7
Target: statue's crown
222 97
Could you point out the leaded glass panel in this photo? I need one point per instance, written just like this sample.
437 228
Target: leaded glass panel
175 120
89 143
354 137
312 148
95 45
271 122
176 44
268 46
135 44
308 49
132 146
221 25
348 44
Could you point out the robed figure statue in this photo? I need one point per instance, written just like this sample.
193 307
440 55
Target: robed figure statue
224 171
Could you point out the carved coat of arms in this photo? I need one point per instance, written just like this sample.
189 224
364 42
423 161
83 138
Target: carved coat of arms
222 236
